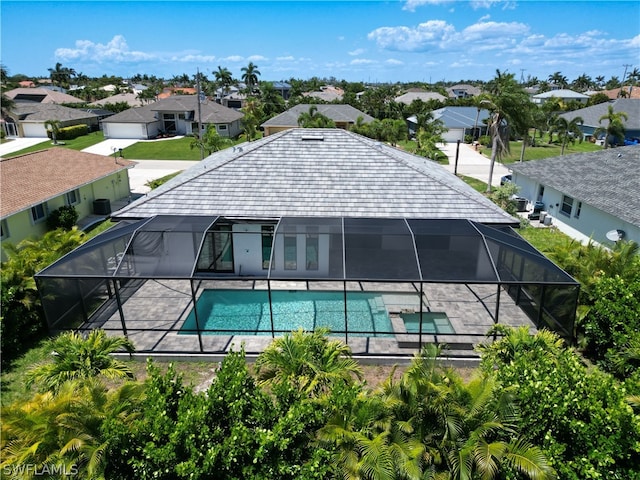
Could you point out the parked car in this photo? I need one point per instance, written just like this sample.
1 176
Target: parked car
505 179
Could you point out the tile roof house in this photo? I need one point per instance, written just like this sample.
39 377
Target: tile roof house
592 115
591 193
562 94
40 95
409 97
327 93
462 90
131 99
27 119
344 116
317 172
459 121
35 184
176 115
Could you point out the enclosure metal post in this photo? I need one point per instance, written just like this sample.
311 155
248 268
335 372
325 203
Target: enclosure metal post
195 315
497 314
85 314
540 307
273 328
455 168
346 322
421 310
120 311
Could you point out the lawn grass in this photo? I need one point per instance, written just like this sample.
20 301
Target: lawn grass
544 239
544 150
78 143
476 184
171 149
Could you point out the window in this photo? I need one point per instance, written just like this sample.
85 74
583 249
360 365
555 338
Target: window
169 122
290 252
39 213
222 127
578 210
312 252
4 230
267 240
567 205
73 197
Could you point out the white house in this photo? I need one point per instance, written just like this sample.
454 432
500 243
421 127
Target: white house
587 195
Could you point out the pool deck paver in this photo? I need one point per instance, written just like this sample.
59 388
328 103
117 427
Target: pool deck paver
155 310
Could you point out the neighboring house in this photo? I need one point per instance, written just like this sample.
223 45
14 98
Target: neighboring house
463 91
132 99
234 100
412 95
563 95
592 115
459 121
327 93
176 115
344 116
283 88
138 88
40 95
592 193
629 91
35 184
27 119
171 91
26 84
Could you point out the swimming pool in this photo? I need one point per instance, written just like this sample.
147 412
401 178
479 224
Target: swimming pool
246 312
432 323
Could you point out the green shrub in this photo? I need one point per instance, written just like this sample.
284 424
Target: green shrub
485 140
64 217
69 133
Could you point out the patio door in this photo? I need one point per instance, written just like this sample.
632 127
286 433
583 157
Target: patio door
217 251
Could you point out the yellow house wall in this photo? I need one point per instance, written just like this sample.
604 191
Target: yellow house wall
20 225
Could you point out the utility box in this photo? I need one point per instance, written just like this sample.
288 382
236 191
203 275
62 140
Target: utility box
102 206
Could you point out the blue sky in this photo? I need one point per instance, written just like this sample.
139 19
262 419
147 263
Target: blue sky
371 41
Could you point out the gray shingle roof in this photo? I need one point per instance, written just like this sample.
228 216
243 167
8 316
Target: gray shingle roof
409 97
561 93
591 115
41 112
336 112
317 172
609 180
211 112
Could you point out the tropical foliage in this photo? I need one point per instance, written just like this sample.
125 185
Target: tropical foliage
211 141
614 129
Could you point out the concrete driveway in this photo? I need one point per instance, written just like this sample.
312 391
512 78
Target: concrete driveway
147 170
110 146
19 143
472 164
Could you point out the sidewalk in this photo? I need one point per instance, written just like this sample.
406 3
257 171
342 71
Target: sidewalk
472 164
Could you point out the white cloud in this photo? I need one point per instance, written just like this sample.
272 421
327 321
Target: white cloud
193 58
411 5
234 58
288 58
484 30
257 58
393 61
356 52
362 61
116 50
428 34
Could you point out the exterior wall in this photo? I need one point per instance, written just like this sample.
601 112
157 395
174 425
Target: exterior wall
271 130
21 226
592 223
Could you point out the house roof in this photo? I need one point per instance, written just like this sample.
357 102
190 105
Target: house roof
630 91
591 115
469 89
317 172
211 112
410 96
130 98
41 112
336 112
328 93
41 95
460 117
606 179
34 178
562 93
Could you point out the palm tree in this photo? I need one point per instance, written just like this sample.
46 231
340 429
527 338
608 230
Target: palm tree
250 77
63 430
77 357
615 125
314 119
61 75
53 126
252 115
224 79
508 103
211 140
309 361
568 130
558 79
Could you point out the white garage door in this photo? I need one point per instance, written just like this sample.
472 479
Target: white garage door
34 130
453 135
124 130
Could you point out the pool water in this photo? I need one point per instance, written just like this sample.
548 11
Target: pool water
432 322
246 312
